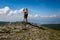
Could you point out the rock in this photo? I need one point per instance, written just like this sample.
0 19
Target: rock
23 31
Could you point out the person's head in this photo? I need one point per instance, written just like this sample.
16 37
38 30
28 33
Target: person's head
25 10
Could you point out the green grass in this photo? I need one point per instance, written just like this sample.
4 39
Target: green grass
57 32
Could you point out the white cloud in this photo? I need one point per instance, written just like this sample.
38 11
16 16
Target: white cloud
36 15
15 11
21 10
8 11
30 16
4 10
42 16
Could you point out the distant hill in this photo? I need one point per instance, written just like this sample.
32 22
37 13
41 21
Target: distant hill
53 26
3 22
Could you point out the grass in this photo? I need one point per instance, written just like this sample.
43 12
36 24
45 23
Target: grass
57 32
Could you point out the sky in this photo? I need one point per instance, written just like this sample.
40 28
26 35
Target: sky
39 11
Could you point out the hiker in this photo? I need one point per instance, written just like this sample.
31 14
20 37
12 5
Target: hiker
25 11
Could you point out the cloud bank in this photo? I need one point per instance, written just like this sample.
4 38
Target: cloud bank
7 11
42 16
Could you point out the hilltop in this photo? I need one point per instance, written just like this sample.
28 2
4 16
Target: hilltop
25 31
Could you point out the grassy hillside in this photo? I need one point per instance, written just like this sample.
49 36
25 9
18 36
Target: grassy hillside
53 28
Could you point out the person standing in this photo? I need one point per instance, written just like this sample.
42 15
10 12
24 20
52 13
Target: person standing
25 11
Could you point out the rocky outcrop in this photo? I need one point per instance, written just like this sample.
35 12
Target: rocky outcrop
23 31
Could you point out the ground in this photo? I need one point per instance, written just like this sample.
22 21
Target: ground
26 31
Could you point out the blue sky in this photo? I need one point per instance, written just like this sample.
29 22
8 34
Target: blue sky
40 11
